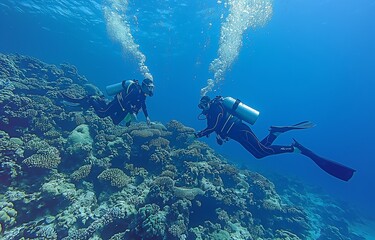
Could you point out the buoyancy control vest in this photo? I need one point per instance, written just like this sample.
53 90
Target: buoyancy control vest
117 88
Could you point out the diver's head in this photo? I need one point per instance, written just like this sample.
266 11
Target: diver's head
148 87
204 103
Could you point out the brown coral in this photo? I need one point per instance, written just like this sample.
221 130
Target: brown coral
181 155
181 135
42 124
142 135
164 182
160 156
75 91
81 172
116 177
159 142
48 158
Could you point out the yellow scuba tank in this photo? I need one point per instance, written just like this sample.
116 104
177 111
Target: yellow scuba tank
118 87
240 110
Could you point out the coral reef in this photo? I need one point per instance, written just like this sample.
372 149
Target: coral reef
69 174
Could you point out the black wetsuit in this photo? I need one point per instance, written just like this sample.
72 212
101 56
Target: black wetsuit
129 100
229 126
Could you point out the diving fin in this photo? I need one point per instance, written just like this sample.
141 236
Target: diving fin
72 99
282 129
83 102
333 168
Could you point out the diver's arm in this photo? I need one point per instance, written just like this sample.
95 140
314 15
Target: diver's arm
204 132
212 122
144 109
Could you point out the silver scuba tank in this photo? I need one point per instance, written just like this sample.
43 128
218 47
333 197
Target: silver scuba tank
118 87
241 110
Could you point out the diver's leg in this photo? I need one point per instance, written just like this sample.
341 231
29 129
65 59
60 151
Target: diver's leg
112 109
82 102
269 139
102 109
245 136
118 116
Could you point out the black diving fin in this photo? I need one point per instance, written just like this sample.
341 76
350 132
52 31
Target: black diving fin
333 168
81 102
282 129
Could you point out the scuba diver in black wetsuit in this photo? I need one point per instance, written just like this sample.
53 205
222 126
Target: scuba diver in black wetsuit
221 114
130 98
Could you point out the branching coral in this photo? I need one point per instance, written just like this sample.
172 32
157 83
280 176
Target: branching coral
79 210
48 158
152 221
33 144
116 177
181 135
141 135
81 172
158 143
8 67
136 171
161 190
164 183
42 124
186 155
160 156
178 218
85 233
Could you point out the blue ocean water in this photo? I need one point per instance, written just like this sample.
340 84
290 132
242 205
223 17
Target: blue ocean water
312 60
